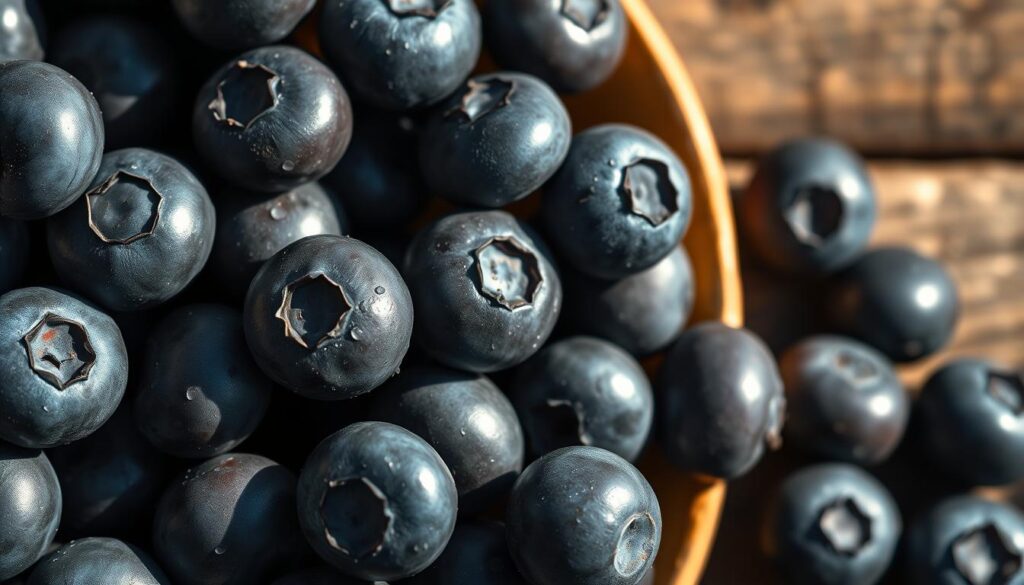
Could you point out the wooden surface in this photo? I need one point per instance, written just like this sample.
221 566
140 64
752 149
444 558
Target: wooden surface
888 76
968 214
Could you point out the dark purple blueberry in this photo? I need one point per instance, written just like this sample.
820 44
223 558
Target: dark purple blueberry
234 25
843 399
497 139
21 30
477 554
619 204
720 401
51 134
467 420
900 302
486 292
146 225
643 313
98 560
377 502
14 253
401 54
573 45
970 420
229 521
329 318
583 515
29 508
833 524
272 119
966 541
584 391
64 367
809 208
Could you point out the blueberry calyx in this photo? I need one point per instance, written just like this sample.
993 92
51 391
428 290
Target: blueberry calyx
124 208
636 544
814 215
246 93
568 421
425 8
984 556
314 309
509 274
356 516
586 14
844 527
483 98
649 191
858 371
1007 388
59 351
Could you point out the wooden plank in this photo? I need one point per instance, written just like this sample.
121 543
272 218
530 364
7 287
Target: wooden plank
887 76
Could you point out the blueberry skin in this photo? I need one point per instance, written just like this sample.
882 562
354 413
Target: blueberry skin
472 324
961 415
130 70
45 406
200 392
110 481
477 554
810 207
812 551
642 313
252 229
939 551
497 139
229 521
844 400
467 420
376 501
22 37
401 59
720 400
584 391
593 217
14 253
900 302
379 179
51 134
149 242
353 342
321 576
235 25
572 54
272 136
585 516
29 508
98 560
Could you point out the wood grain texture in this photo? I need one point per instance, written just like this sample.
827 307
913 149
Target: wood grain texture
888 76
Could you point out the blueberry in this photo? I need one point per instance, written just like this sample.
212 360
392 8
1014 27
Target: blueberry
497 139
235 25
272 119
98 560
21 33
328 317
146 224
321 576
52 146
643 313
966 541
29 506
377 501
229 521
14 253
477 554
809 208
130 70
584 391
401 54
967 416
64 367
720 400
252 229
902 303
200 393
844 400
583 515
470 423
619 204
487 295
110 481
379 178
833 524
573 45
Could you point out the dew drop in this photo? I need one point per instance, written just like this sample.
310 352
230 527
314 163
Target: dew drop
355 334
277 212
46 408
611 162
219 550
287 166
191 392
379 290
